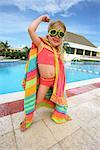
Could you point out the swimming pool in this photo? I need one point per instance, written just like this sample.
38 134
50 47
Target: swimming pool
12 73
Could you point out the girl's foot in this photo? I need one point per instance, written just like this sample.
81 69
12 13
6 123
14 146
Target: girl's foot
24 126
60 118
27 122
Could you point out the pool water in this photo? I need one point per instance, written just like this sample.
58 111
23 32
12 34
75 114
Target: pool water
11 75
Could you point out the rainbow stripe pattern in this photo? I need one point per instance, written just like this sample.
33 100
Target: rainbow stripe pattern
31 79
54 97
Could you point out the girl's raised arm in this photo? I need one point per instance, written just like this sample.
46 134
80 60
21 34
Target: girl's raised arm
33 26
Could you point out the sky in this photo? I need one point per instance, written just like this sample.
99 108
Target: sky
80 17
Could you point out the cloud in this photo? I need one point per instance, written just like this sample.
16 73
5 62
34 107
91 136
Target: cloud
12 23
83 29
45 6
86 31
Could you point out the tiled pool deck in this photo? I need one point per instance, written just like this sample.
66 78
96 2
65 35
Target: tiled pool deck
82 133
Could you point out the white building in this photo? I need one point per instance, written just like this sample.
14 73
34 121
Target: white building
78 47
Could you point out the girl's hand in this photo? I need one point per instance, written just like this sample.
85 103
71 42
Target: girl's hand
45 18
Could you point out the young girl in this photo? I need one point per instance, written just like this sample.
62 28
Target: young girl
51 69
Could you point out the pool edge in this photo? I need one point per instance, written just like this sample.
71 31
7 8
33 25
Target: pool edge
15 106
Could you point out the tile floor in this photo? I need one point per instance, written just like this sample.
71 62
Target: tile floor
81 133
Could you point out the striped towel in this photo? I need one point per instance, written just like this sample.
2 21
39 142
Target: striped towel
31 78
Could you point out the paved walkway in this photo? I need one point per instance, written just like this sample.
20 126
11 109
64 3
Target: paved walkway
82 133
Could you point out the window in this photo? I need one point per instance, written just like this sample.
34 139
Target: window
94 53
87 52
79 52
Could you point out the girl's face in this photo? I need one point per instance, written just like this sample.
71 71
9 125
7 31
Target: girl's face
56 40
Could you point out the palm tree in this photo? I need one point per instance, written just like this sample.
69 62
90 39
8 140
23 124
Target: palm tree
26 49
4 46
25 52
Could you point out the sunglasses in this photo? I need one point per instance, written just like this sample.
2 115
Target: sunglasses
54 32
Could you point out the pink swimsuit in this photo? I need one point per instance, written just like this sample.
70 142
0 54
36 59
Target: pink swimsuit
46 56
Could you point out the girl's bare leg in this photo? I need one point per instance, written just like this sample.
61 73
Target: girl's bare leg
42 90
